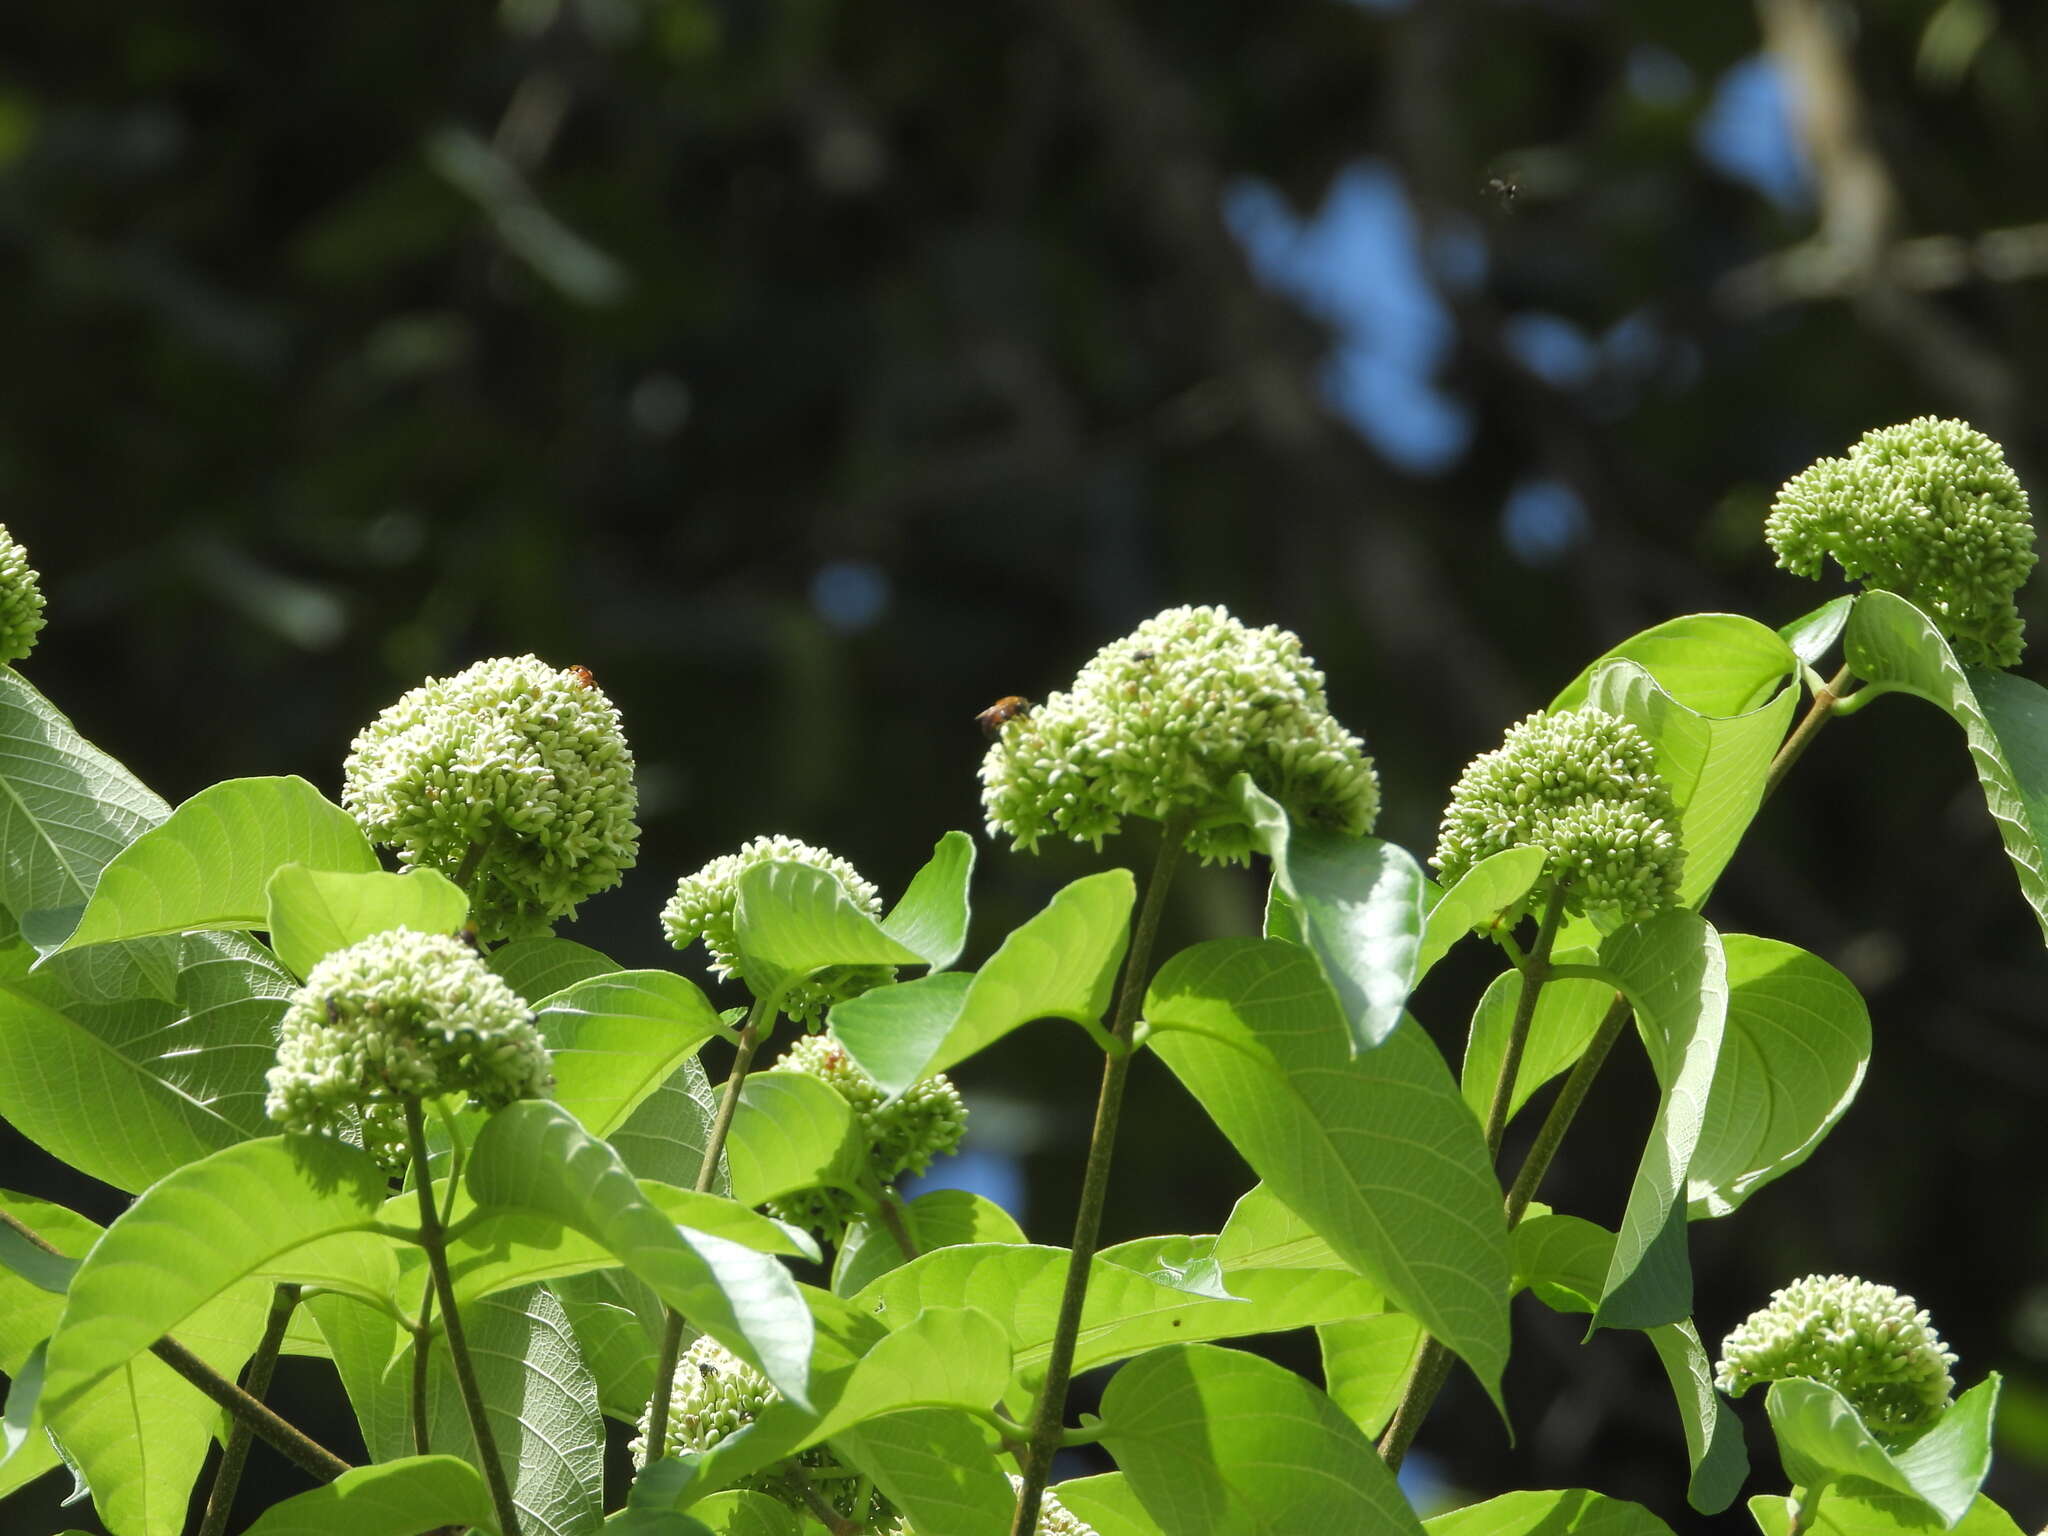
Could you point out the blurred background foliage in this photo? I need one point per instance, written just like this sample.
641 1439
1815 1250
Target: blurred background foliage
819 373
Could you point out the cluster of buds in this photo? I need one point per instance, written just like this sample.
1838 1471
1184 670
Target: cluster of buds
21 601
902 1135
400 1015
704 903
1582 785
513 778
1159 723
1928 509
1866 1341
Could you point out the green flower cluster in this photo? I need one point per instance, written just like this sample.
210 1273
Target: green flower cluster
400 1015
1158 724
703 905
1929 510
512 778
1584 786
1054 1518
1865 1340
21 601
903 1135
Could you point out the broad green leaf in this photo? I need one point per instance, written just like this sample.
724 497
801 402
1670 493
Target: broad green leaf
204 1229
792 921
1225 1443
1894 646
1552 1512
1797 1042
539 968
1811 636
1359 903
130 1060
619 1323
935 1465
1715 765
742 1512
1108 1504
533 1156
1263 1232
931 919
791 1132
1182 1262
618 1037
1378 1152
28 1308
1872 1512
665 1136
1568 1014
1822 1440
940 1218
23 1411
313 912
398 1498
651 1503
373 1357
66 808
24 1260
945 1357
1675 974
1715 663
210 864
1365 1365
1486 890
1059 965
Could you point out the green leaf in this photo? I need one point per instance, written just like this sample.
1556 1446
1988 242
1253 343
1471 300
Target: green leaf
618 1322
1715 663
1797 1042
1715 765
940 1218
791 921
1264 1232
1060 964
398 1498
1675 974
205 1228
23 1410
1485 891
742 1512
1553 1512
931 919
944 1357
66 808
664 1138
1358 900
1568 1015
313 912
1108 1504
1821 1440
618 1037
1377 1152
935 1466
1812 635
45 1271
1365 1365
29 1308
1872 1512
208 866
533 1156
791 1132
1225 1443
1894 646
539 968
129 1060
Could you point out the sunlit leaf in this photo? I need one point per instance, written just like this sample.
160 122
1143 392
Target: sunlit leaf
617 1037
399 1498
1821 1439
540 967
931 919
313 912
1552 1512
935 1465
1568 1014
1715 663
791 1132
1480 895
940 1218
792 921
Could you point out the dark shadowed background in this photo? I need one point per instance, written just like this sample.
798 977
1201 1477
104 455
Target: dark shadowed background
817 373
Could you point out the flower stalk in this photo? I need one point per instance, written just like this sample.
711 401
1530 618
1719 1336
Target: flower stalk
220 1501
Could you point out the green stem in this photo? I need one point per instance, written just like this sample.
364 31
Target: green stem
1805 1508
422 1346
1818 715
1564 1108
235 1455
1059 1365
672 1325
1432 1365
436 1248
890 1208
466 870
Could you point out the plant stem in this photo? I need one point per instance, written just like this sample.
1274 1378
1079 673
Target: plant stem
436 1249
671 1349
891 1210
288 1439
1433 1360
1059 1365
236 1453
422 1346
1564 1108
1816 716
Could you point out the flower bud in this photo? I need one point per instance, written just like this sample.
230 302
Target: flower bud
1929 510
703 906
401 1015
21 601
1160 722
511 775
1584 786
1866 1341
1054 1518
714 1393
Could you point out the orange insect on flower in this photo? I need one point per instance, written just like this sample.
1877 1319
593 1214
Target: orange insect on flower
1001 713
585 678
